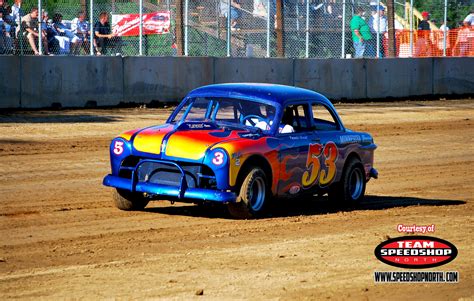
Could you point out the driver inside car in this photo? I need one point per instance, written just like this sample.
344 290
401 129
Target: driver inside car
284 127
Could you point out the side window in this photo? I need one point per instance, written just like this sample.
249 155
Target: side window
295 119
323 120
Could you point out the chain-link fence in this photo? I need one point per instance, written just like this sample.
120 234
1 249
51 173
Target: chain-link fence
238 28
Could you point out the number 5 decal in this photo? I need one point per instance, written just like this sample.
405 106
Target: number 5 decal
313 165
118 148
330 154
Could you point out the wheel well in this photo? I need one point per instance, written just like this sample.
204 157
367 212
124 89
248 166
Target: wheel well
256 161
350 157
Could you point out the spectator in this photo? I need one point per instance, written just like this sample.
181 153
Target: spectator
234 12
378 24
439 38
104 38
72 39
423 44
462 41
360 33
16 14
8 18
58 44
80 27
470 18
6 43
29 25
424 24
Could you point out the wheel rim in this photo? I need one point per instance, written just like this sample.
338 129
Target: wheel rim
356 183
257 194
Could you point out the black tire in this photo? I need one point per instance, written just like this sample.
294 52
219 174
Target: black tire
129 201
350 190
252 196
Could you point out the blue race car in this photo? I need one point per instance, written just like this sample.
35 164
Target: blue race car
242 144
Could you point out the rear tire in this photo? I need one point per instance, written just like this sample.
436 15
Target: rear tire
129 201
252 195
351 188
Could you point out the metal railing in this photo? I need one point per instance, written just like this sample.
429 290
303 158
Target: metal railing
257 28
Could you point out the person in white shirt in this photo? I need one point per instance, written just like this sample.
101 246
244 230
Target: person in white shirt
16 14
80 27
470 18
378 24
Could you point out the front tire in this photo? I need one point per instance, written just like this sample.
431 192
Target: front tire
252 195
129 201
351 188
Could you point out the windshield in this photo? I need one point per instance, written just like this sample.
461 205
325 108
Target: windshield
227 112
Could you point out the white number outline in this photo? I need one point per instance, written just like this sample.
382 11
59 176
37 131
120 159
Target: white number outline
218 158
118 148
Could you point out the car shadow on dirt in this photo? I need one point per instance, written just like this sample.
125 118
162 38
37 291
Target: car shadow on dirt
305 206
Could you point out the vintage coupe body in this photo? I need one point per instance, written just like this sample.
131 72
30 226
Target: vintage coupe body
242 144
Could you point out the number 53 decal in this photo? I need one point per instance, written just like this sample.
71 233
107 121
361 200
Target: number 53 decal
313 165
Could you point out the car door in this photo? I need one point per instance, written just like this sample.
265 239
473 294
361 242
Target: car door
327 133
295 135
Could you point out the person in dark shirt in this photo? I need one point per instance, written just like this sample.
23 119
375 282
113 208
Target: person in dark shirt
423 43
424 24
103 36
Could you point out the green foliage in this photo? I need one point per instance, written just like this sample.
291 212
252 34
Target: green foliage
457 10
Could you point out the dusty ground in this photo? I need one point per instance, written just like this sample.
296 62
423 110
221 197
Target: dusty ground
60 236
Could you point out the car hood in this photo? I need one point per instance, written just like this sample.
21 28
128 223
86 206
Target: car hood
184 142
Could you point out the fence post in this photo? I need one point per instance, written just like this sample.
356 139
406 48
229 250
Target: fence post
140 46
268 27
307 30
392 51
186 24
40 28
91 23
279 28
378 30
445 26
179 27
229 23
343 41
411 28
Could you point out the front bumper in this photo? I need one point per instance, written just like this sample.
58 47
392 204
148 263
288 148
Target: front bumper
181 192
171 191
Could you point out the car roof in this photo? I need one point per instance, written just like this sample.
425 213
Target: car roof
279 94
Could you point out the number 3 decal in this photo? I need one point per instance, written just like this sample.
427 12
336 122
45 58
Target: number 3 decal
218 158
118 148
313 166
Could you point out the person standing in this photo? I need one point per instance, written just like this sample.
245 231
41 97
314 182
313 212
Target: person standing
378 24
360 33
423 44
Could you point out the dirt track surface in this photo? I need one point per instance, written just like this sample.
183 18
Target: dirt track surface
61 237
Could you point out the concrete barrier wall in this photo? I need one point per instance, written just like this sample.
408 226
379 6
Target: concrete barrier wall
71 81
36 82
453 76
164 78
334 78
10 82
399 77
272 70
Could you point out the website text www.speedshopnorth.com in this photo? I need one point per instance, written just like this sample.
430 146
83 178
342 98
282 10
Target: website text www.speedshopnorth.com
413 277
